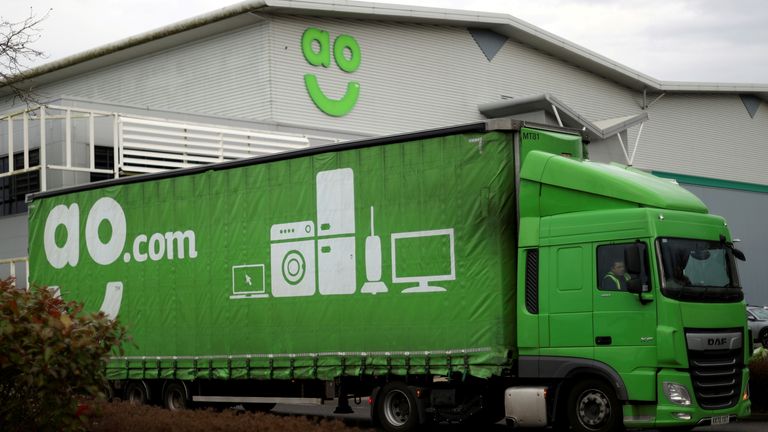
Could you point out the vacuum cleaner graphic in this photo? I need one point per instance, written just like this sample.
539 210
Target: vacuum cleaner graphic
374 284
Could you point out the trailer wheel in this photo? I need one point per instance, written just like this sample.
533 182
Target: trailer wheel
109 393
396 408
175 396
594 407
136 393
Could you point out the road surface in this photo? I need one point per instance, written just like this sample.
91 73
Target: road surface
362 418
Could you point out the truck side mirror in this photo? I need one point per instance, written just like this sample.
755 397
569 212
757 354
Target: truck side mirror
739 254
634 286
632 259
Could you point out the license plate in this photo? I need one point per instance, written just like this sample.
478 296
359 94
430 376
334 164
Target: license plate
720 420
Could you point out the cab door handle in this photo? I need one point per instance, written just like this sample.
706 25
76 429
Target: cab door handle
603 340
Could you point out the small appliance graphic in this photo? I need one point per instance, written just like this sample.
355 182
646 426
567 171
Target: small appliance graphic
374 284
292 259
248 281
423 257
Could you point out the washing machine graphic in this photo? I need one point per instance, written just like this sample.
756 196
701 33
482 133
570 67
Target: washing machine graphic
292 259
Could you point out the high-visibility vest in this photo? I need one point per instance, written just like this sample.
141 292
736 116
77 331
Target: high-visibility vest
615 280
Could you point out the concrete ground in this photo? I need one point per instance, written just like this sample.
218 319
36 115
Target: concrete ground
362 418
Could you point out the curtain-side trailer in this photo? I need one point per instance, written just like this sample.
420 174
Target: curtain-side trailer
463 274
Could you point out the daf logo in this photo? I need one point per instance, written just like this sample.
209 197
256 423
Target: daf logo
717 341
699 341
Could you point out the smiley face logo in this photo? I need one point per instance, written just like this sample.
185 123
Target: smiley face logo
316 46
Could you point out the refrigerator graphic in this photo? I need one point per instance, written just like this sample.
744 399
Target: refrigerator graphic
336 232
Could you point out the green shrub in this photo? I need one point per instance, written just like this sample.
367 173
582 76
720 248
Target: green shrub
51 356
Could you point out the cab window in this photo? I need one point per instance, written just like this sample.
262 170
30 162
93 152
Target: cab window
613 273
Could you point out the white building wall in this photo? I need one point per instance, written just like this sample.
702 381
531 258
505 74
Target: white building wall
708 136
415 76
223 75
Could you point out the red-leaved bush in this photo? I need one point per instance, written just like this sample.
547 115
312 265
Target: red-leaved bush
52 355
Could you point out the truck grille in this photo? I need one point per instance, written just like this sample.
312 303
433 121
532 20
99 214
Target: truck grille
716 368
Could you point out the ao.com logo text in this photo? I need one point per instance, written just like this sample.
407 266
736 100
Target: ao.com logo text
105 237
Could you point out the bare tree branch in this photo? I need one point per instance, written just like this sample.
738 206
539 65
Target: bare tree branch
16 52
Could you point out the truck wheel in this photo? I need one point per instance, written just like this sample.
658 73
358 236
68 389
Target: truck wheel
396 409
175 396
594 407
136 393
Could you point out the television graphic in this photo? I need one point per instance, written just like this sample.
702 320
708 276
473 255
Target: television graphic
423 257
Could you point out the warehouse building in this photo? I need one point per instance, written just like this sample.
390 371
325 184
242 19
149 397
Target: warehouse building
261 77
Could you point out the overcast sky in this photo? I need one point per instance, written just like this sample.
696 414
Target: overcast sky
676 40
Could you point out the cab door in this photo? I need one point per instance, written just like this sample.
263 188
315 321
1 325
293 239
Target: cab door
570 302
625 325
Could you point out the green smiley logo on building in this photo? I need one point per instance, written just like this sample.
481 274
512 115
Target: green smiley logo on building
346 53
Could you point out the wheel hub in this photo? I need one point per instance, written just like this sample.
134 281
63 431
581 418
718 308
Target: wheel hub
397 408
594 409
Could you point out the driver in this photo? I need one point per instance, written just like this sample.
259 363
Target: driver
616 279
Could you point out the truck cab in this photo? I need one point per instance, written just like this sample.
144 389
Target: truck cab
630 298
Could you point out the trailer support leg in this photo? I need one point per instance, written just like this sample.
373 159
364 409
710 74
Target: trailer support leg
343 405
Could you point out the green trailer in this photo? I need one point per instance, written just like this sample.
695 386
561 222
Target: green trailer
462 274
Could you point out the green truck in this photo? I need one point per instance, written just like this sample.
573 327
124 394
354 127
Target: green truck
467 274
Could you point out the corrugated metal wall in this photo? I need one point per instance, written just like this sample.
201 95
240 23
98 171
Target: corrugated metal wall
224 75
415 76
745 213
708 136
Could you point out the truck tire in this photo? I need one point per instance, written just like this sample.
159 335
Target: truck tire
594 407
109 393
396 408
136 393
175 396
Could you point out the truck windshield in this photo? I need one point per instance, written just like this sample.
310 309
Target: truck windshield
698 270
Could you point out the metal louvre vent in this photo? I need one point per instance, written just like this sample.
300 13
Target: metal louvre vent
716 374
151 145
532 281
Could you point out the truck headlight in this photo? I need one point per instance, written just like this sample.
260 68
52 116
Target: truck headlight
677 393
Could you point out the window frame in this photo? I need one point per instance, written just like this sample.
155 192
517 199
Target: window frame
646 264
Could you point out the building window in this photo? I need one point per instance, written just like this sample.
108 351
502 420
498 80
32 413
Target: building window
14 188
104 158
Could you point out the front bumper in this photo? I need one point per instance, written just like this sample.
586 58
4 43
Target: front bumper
667 414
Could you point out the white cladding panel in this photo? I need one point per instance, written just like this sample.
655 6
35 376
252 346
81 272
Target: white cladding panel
708 136
223 75
415 76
